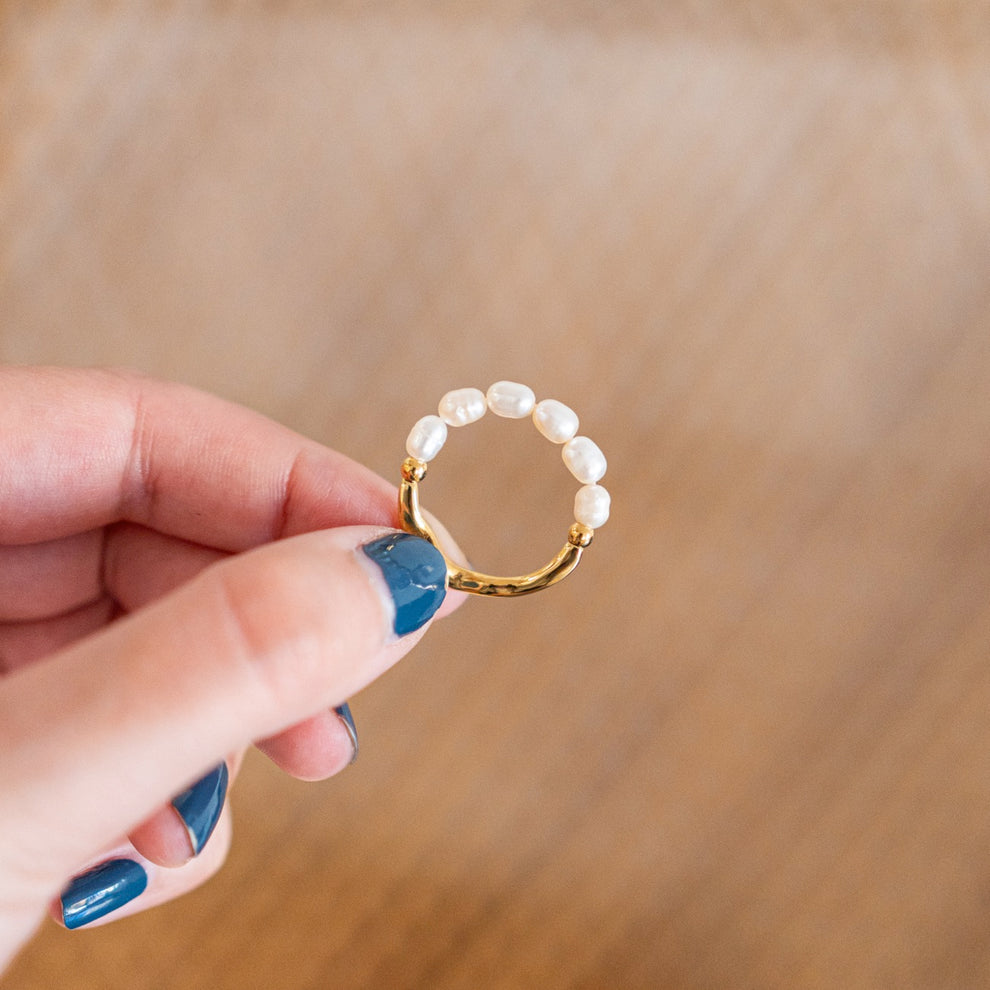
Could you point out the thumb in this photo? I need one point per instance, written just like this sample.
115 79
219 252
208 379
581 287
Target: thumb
100 735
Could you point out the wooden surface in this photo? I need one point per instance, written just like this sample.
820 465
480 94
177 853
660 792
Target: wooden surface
745 745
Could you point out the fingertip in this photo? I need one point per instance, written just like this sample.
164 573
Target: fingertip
411 577
179 831
315 749
163 839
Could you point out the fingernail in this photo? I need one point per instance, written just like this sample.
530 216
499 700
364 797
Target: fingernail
101 890
416 575
199 807
344 714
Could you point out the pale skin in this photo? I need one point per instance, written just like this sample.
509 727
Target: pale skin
173 573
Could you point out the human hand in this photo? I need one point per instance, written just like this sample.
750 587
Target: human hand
179 578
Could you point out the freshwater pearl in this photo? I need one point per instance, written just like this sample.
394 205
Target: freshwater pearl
591 506
463 406
511 400
426 438
557 422
584 460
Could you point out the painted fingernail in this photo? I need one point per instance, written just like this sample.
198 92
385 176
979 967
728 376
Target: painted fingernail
344 714
416 575
199 806
103 889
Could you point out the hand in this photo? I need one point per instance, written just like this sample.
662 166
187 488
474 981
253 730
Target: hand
179 577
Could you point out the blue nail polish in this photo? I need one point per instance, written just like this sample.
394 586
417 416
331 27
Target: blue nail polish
101 890
344 714
416 574
199 807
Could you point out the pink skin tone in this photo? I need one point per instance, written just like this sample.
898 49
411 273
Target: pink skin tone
177 562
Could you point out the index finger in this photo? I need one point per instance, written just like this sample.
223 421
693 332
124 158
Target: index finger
82 448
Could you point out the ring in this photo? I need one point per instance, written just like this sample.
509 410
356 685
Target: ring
559 424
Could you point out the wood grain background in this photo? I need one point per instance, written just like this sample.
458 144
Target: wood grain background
745 745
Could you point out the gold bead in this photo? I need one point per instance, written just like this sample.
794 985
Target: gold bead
413 469
580 535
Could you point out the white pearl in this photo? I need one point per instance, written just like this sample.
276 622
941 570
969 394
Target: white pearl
584 460
511 400
463 406
557 422
426 438
591 506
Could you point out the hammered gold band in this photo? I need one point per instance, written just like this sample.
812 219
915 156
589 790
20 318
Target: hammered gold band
461 578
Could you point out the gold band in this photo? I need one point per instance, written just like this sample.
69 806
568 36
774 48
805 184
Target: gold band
460 578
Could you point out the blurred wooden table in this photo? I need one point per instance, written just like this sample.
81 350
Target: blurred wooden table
746 744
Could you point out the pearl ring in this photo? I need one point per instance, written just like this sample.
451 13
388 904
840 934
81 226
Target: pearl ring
559 424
